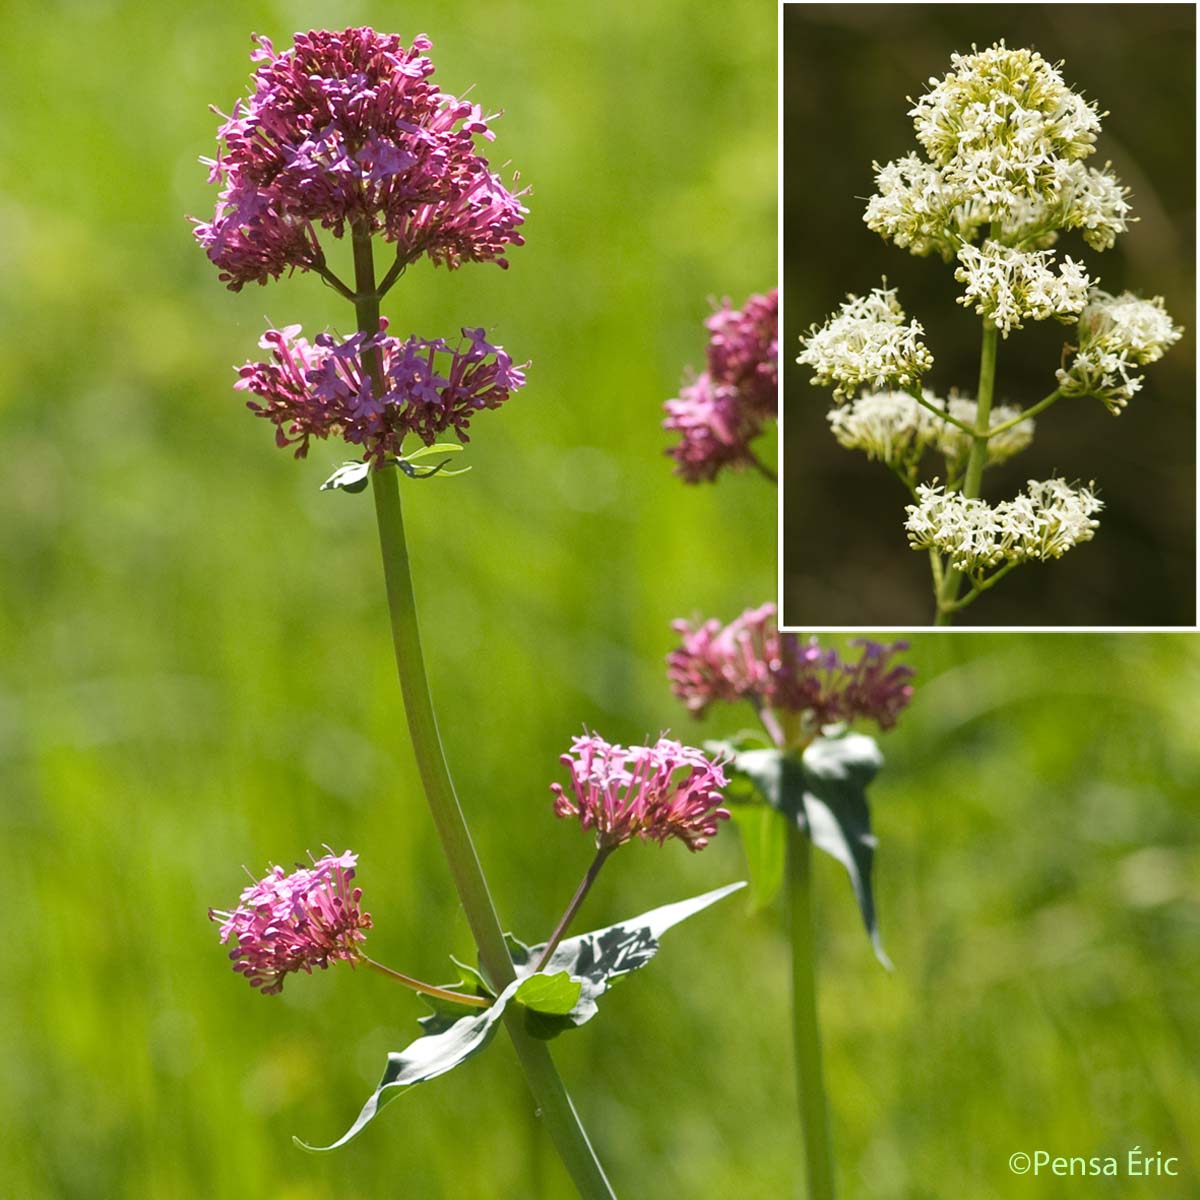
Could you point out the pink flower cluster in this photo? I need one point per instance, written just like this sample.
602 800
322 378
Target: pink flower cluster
295 922
721 411
663 791
345 129
750 659
320 389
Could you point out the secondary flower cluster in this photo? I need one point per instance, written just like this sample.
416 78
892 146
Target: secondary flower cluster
720 412
751 659
867 344
315 389
345 129
894 428
1116 335
294 922
1043 522
657 792
1007 285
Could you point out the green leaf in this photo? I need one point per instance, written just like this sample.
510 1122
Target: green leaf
836 774
349 477
599 959
436 448
825 793
764 843
425 1059
555 995
564 995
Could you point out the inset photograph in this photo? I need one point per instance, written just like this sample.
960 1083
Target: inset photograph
989 387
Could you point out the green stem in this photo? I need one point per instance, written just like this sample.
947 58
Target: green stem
916 393
426 989
562 1122
810 1085
976 459
1025 415
581 892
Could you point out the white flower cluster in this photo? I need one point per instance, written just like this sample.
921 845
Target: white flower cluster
1007 285
1005 137
867 344
1043 522
1000 121
1116 335
893 428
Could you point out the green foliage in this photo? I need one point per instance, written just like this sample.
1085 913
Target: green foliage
825 793
555 1000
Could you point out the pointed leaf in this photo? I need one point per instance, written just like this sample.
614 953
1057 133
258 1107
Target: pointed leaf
597 960
436 448
836 774
349 477
425 1059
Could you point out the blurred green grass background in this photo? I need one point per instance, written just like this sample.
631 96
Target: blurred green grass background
196 676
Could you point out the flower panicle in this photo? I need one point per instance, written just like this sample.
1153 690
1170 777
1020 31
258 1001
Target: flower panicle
347 129
752 659
722 410
322 388
654 793
1043 522
295 921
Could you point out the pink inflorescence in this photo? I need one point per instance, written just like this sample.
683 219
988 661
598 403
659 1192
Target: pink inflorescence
345 128
663 791
750 659
295 922
318 389
723 409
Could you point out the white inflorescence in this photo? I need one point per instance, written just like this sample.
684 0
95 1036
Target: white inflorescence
894 428
1000 120
1006 285
1043 522
867 344
1117 334
1006 139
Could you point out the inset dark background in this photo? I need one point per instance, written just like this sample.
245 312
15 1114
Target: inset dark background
848 70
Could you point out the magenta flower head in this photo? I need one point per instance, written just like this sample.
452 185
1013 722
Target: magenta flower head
295 922
657 792
347 129
751 659
722 410
320 389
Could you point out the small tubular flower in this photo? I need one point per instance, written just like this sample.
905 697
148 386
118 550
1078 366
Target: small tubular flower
657 792
867 344
1008 286
323 389
294 922
751 659
722 410
1044 522
346 128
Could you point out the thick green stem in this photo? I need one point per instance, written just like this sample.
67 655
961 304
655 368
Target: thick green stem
810 1083
976 459
554 1104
